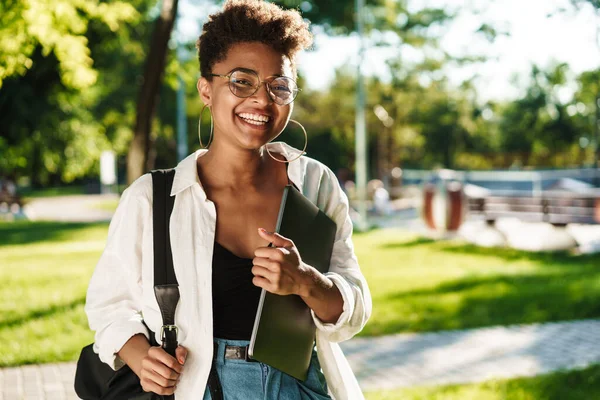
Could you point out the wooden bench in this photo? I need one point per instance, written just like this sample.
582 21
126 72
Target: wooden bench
558 208
10 203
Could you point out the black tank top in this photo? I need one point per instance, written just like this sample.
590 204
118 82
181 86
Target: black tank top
235 298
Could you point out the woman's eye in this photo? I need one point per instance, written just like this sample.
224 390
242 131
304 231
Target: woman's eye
242 82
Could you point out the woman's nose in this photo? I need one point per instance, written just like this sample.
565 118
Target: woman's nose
262 95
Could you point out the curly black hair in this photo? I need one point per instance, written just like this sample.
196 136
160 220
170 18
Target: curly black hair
251 21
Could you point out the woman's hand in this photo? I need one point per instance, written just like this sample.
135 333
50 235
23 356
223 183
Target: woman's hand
160 372
279 269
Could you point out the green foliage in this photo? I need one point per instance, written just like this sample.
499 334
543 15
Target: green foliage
57 27
593 3
537 126
54 126
54 123
339 17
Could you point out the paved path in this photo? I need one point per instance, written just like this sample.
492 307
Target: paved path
76 208
399 360
473 355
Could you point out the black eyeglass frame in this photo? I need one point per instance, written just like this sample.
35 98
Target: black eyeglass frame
260 82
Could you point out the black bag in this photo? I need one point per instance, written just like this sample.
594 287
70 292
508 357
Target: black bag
95 380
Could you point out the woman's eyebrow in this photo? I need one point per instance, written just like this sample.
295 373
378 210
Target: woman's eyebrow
245 70
256 72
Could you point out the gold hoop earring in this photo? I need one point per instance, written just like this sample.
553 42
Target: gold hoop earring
200 125
303 152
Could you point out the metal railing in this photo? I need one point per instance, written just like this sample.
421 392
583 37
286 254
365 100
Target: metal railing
531 183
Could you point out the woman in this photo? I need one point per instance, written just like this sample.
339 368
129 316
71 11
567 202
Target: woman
226 205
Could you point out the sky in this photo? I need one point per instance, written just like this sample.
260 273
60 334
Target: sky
534 37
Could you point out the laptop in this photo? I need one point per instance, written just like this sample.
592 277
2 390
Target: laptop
284 332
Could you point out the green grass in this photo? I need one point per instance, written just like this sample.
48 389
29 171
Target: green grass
44 272
422 285
574 385
416 284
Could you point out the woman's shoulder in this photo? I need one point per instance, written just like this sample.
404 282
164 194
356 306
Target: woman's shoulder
140 189
320 183
314 169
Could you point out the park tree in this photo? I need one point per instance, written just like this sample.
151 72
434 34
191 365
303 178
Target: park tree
537 127
586 113
137 157
55 126
49 85
590 86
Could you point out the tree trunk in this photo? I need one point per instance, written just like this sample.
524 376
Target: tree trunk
137 157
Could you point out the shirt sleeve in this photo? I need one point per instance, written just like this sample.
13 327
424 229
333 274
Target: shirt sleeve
114 297
344 270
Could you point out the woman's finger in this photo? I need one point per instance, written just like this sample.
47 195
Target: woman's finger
181 354
165 358
151 364
150 386
267 263
275 238
161 380
261 282
264 273
272 253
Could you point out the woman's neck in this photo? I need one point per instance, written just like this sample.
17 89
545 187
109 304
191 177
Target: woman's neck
235 168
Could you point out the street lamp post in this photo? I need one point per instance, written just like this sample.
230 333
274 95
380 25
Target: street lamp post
182 141
181 114
360 125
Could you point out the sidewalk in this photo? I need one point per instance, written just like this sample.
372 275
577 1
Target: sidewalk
402 360
74 208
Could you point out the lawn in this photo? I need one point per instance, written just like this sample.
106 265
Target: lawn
44 272
572 385
422 285
417 285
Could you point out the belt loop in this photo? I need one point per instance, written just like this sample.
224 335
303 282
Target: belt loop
214 383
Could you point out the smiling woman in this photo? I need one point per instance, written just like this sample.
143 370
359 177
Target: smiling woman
224 251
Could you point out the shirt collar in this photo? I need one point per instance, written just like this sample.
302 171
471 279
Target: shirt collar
186 173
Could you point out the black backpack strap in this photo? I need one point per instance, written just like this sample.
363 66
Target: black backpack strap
166 288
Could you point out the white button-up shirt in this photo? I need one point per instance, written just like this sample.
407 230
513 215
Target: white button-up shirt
121 290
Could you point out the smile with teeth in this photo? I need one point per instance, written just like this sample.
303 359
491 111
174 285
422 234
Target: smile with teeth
254 119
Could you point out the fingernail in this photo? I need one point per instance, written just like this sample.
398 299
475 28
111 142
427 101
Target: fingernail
263 230
181 360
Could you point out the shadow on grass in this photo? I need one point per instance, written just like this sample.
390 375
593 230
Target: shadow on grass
493 300
507 254
514 254
408 244
42 313
27 232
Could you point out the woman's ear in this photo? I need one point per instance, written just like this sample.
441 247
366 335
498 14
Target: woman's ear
204 90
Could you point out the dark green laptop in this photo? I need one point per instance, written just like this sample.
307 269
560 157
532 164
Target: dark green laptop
284 332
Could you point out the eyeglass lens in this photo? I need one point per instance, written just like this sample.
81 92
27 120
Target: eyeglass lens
281 89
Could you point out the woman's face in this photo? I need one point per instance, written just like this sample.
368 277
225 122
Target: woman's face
253 121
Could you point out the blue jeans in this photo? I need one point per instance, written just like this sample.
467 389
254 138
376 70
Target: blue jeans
243 380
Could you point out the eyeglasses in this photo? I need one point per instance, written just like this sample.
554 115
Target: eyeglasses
245 82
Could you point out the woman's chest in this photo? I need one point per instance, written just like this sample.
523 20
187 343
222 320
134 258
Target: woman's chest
239 217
